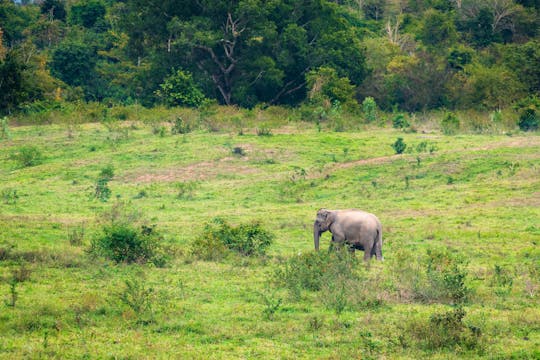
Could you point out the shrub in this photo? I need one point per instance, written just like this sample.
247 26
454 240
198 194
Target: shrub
122 242
101 190
218 237
369 108
264 131
447 330
9 196
186 189
76 235
450 124
27 156
529 120
180 126
179 89
137 297
399 146
4 128
400 122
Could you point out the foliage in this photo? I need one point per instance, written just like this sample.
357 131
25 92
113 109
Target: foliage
137 297
27 155
179 89
126 243
399 146
4 128
9 195
326 88
529 119
248 239
448 330
399 121
102 190
450 123
369 108
180 126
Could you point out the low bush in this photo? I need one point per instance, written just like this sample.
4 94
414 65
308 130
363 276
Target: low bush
27 156
450 124
447 330
400 122
219 237
529 120
399 146
343 282
128 244
180 126
9 196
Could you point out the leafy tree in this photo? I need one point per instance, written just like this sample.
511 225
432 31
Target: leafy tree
54 9
179 89
74 63
11 81
326 87
87 13
437 28
14 19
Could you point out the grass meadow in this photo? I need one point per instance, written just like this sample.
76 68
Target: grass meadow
461 231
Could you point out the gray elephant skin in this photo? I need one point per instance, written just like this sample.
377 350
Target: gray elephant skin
357 229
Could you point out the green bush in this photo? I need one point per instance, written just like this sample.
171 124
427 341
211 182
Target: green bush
4 128
218 237
126 243
369 108
179 89
400 122
529 120
9 196
27 156
101 190
180 126
399 146
447 330
450 124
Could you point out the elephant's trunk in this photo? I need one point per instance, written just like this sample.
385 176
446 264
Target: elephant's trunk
316 235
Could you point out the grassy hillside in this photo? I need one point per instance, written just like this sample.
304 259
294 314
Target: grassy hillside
461 275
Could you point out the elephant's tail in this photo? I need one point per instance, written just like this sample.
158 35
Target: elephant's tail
377 249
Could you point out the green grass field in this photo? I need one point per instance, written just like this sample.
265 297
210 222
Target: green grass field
475 198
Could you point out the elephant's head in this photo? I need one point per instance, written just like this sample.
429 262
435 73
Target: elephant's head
322 223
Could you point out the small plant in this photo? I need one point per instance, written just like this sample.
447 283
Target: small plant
76 235
447 330
450 124
101 190
529 119
218 237
237 150
264 131
180 126
18 276
272 303
369 108
502 281
4 128
138 298
9 196
127 243
186 190
399 146
27 156
400 122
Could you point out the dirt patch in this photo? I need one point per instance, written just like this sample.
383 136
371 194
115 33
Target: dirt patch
199 171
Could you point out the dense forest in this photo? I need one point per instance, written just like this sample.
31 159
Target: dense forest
410 55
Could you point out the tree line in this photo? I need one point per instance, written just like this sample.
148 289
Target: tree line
409 55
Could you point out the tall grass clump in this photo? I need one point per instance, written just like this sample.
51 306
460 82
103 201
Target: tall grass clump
219 238
447 330
438 276
27 156
340 279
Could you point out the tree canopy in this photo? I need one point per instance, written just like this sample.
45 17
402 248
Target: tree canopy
414 55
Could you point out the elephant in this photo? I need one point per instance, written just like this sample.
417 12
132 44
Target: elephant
357 229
